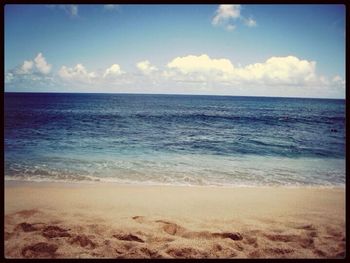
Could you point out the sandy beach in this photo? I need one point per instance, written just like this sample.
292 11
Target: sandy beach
119 221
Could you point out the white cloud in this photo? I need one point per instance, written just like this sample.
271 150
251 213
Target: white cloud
249 22
288 70
277 76
225 13
279 70
338 79
37 65
9 77
146 67
194 74
41 64
27 66
113 70
110 7
202 63
77 73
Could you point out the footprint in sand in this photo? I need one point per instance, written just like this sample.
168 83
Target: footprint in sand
282 238
252 241
8 235
334 233
171 228
278 251
254 254
312 234
128 237
83 241
149 252
27 227
139 219
27 213
231 235
319 253
306 227
39 250
186 252
175 229
55 231
304 242
137 252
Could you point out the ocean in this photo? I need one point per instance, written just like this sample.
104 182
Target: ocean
174 139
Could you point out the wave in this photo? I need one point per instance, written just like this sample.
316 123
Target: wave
184 170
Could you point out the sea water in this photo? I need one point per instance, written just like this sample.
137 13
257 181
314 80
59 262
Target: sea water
174 139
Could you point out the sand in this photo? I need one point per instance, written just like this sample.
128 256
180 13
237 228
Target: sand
119 221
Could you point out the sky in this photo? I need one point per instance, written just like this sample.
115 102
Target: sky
244 50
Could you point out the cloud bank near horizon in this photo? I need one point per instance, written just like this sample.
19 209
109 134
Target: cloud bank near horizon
191 74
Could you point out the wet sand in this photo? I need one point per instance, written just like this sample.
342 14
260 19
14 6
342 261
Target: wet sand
54 220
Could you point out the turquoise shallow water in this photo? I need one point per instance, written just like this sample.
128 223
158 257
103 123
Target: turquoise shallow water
174 139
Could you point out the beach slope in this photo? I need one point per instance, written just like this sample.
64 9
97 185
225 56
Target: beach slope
118 221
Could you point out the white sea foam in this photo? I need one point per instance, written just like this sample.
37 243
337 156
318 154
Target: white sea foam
175 169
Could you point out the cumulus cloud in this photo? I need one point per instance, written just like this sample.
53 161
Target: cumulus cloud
338 79
77 73
227 15
288 70
276 76
146 67
27 66
224 13
18 80
41 64
194 74
37 65
279 70
9 76
113 70
202 63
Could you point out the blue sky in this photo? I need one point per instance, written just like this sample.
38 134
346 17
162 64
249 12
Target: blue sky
272 50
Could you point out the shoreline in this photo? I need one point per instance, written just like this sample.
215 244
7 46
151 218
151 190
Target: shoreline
23 183
104 220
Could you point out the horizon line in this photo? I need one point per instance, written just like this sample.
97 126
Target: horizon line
174 94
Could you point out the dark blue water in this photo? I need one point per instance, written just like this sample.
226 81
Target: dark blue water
174 139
